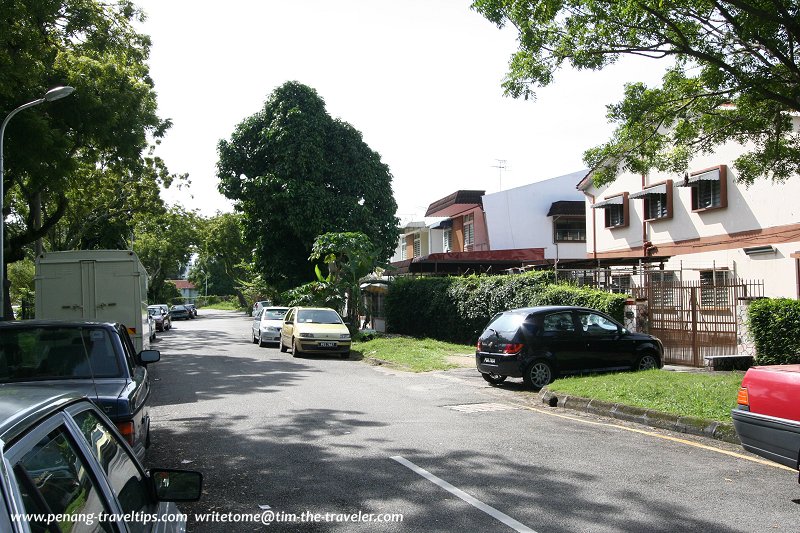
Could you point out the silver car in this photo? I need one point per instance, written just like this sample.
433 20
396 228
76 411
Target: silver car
62 457
267 325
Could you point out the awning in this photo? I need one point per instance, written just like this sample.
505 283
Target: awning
650 191
616 200
711 175
455 204
567 208
444 224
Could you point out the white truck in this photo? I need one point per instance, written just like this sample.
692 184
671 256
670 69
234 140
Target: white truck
97 286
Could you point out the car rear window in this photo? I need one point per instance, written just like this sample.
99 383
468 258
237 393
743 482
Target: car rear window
39 353
274 314
507 322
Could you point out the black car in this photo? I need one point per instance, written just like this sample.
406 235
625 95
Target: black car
96 359
540 343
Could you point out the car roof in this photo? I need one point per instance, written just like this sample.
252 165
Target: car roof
36 323
549 308
316 309
21 406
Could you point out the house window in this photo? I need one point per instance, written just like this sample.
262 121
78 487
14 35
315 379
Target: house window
417 245
709 188
403 253
569 229
615 216
621 284
655 206
447 240
469 229
662 291
714 287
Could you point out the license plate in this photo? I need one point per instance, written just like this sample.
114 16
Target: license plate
490 361
327 344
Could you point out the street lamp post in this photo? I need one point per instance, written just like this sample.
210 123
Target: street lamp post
55 93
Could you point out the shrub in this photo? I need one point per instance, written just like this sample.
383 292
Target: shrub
774 325
457 309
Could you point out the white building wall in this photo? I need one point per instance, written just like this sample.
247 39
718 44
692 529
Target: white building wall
517 218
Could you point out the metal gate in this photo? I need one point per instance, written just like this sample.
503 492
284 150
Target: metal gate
695 319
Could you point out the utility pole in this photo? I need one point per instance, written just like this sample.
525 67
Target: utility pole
500 166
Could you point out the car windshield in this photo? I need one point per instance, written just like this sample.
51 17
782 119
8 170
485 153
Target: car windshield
506 322
41 353
274 314
318 316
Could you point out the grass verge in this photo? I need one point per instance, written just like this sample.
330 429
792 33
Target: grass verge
407 353
705 395
224 306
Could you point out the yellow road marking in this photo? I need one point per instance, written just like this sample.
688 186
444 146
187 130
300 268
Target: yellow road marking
665 437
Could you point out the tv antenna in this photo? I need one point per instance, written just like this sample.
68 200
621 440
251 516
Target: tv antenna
500 166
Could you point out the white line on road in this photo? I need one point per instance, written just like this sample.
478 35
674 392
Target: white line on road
488 509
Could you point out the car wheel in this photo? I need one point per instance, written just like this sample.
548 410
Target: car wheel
283 348
646 362
538 374
261 342
255 339
494 379
295 348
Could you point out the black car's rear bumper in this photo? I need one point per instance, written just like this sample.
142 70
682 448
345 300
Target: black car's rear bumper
503 365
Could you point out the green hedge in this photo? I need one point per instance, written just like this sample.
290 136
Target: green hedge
774 325
457 309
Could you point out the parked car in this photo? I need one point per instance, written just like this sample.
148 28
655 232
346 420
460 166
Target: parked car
192 310
767 415
314 330
259 305
161 317
94 358
267 325
179 312
540 343
64 457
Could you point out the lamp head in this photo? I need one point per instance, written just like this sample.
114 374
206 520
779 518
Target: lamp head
56 93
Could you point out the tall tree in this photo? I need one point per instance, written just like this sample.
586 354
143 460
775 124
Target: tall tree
735 75
296 173
92 46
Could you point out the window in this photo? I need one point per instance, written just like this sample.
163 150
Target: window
469 229
447 240
621 284
714 287
403 252
569 229
417 245
655 207
559 322
709 188
662 293
54 479
615 216
597 325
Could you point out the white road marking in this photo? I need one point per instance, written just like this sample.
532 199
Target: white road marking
482 407
488 509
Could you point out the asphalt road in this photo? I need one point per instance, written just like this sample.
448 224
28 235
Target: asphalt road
319 435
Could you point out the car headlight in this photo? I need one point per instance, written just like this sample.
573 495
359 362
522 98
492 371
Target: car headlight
306 335
344 337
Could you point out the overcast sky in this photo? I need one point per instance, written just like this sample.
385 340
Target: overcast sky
419 78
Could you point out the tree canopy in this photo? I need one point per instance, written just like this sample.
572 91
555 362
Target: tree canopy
734 75
56 149
294 173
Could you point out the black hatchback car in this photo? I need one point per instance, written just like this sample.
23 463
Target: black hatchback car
540 343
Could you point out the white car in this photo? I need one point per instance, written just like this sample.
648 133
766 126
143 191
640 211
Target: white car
258 306
267 324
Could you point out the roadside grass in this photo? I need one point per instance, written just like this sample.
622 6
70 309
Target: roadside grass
407 353
224 306
702 395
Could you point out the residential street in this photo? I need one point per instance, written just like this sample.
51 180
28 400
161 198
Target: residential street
323 435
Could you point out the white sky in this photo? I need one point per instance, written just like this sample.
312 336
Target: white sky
419 78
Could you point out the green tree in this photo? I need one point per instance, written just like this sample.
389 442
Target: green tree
295 173
735 75
106 123
349 258
165 245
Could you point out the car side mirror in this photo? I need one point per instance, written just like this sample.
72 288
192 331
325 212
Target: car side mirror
149 356
176 485
622 332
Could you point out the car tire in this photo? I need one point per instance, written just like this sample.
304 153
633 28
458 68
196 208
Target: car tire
494 379
646 361
295 349
255 339
538 374
283 348
261 343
